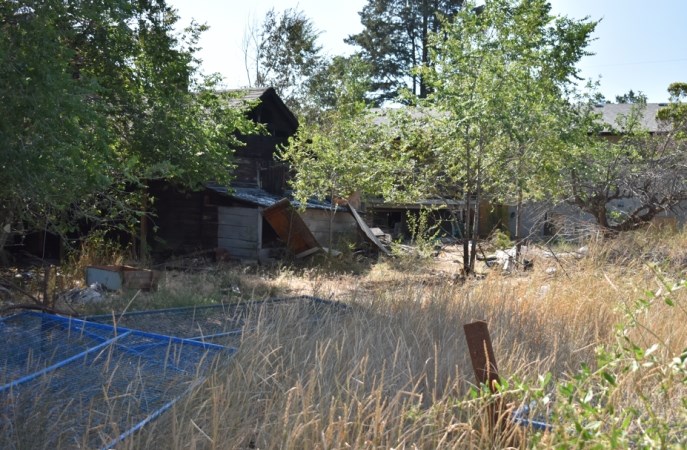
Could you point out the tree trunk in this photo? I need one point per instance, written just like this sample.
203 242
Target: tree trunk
466 235
475 231
478 198
425 44
518 225
466 193
5 232
143 239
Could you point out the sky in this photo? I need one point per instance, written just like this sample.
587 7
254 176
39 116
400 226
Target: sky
639 44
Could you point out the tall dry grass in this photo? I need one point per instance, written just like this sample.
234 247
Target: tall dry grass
394 371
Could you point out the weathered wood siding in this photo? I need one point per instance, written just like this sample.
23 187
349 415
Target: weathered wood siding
343 226
239 230
254 160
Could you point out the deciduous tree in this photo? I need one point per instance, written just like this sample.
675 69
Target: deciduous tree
98 96
644 171
500 75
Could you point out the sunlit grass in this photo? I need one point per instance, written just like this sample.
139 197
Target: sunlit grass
394 370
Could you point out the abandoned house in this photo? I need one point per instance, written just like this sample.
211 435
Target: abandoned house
231 218
543 219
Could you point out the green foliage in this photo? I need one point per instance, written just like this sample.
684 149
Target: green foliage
501 76
631 97
645 171
97 99
424 235
341 83
501 240
346 150
494 121
614 405
53 147
675 114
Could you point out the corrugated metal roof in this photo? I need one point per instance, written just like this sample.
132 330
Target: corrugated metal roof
611 112
261 197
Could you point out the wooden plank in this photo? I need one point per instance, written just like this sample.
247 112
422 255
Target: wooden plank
367 232
226 214
486 371
235 232
290 227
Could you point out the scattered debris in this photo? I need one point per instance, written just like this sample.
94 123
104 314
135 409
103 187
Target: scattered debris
82 296
369 235
115 278
544 290
384 238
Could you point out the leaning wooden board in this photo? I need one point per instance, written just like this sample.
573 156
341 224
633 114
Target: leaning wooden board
368 232
291 228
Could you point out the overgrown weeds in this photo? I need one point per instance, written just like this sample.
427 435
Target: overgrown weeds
597 351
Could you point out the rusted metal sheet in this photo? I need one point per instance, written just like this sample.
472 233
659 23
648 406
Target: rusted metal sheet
291 228
369 235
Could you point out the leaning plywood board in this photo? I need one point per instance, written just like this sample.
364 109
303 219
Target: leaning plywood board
367 232
289 226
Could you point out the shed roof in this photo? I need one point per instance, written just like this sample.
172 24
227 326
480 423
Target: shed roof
264 95
260 197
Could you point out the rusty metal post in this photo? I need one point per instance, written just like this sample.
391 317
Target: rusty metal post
484 366
482 354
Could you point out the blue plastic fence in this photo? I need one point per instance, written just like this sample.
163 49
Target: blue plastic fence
68 383
221 324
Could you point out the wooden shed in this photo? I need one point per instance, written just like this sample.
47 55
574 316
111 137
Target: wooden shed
244 232
232 218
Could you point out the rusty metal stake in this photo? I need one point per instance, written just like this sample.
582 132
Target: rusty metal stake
484 366
482 354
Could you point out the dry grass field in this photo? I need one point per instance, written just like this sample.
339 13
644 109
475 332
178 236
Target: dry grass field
596 347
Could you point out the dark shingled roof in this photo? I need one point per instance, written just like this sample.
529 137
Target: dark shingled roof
243 97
